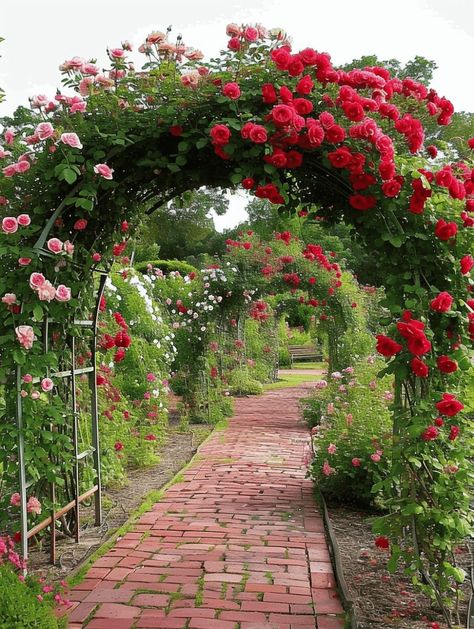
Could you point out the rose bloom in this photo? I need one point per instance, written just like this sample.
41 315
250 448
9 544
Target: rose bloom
24 261
47 384
231 90
9 299
449 406
63 293
444 230
80 224
382 542
15 500
9 225
25 336
44 130
442 303
356 462
104 171
220 134
467 263
54 245
46 292
375 457
37 280
327 469
332 449
430 433
68 247
446 364
24 220
387 346
33 505
72 140
150 377
35 395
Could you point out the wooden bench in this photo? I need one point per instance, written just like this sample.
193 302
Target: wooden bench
304 353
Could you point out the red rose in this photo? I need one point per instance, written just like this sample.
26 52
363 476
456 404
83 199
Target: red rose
432 150
282 115
419 368
309 56
248 183
449 406
220 134
233 43
453 433
445 230
467 263
446 364
302 106
470 143
387 170
122 339
361 181
305 85
340 158
281 57
119 355
80 224
382 542
387 346
294 159
258 134
176 130
269 94
362 202
353 110
413 331
295 66
231 90
430 433
335 134
315 134
418 345
442 303
391 188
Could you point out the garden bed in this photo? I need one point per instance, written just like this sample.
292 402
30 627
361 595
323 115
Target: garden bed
118 504
382 599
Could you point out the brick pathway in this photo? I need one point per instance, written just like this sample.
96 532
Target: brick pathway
239 544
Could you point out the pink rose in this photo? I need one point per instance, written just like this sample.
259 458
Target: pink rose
47 384
9 135
69 247
90 68
54 245
117 53
37 280
232 30
332 448
356 462
39 101
46 292
27 378
375 457
9 225
24 261
80 224
22 166
24 220
71 139
9 171
33 505
250 34
103 170
231 90
44 130
79 106
35 395
24 393
150 377
15 500
63 293
25 336
9 299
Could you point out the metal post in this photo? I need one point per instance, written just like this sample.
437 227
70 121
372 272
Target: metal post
75 433
94 406
21 467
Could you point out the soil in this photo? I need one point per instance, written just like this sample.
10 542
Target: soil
382 599
118 504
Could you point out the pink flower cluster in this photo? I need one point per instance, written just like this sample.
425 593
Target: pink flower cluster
46 291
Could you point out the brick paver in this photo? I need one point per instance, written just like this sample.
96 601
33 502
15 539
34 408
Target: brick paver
239 543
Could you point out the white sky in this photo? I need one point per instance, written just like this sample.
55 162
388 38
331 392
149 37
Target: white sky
41 34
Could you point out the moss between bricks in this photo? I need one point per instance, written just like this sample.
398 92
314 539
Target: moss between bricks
153 497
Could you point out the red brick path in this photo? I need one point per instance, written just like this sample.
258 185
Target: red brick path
239 544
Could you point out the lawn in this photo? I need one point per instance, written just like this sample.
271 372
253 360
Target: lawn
291 380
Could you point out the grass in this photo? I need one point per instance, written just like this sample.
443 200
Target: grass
309 366
291 380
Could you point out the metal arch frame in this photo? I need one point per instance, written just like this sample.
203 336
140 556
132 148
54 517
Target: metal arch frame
26 533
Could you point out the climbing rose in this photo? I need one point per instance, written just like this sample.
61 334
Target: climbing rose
269 94
248 183
446 364
250 33
63 293
382 542
453 433
54 245
47 384
46 292
220 134
176 130
387 346
71 139
444 230
104 171
448 405
419 368
25 336
430 433
80 224
33 505
44 130
356 462
9 299
24 261
327 469
258 134
118 446
332 448
231 90
37 280
24 220
467 263
119 355
362 202
9 225
15 500
442 303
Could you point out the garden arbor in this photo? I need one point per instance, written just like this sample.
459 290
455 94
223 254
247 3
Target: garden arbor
80 168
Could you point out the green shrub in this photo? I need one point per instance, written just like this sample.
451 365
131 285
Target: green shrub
352 414
19 607
166 266
242 383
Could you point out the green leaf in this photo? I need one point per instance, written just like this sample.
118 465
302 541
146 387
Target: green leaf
69 175
38 313
19 357
202 143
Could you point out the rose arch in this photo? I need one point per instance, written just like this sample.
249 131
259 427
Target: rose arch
81 168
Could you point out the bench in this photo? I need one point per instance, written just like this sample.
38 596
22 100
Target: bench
304 353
